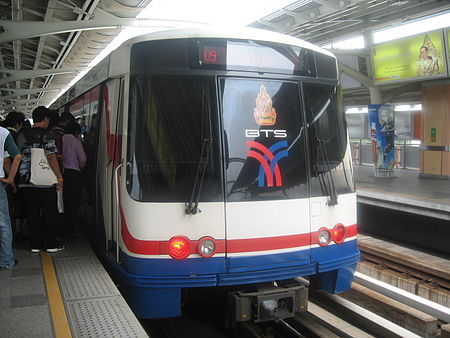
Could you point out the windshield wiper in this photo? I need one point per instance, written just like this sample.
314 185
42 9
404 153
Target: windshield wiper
192 206
326 179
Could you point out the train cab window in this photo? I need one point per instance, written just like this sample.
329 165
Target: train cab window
330 161
263 140
172 139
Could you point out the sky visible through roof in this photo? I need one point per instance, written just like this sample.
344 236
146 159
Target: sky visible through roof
242 13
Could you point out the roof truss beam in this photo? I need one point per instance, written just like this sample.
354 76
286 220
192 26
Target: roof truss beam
353 73
18 75
17 30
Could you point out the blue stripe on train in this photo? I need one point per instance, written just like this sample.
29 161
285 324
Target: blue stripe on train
239 270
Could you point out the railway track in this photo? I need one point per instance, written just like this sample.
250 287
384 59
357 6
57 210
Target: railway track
371 308
420 273
369 314
331 316
375 308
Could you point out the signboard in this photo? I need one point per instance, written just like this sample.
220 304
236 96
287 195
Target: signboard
357 125
382 126
404 125
418 57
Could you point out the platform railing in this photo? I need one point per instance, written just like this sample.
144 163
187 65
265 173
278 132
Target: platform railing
406 155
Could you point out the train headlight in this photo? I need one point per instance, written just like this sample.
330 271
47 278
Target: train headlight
206 247
324 237
338 233
179 247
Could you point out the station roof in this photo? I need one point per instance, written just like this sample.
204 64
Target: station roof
44 44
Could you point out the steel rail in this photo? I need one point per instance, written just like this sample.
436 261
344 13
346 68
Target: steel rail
360 317
436 310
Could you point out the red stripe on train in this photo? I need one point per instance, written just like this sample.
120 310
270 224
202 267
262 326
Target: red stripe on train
146 247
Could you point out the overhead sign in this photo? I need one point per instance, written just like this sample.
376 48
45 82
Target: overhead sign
419 57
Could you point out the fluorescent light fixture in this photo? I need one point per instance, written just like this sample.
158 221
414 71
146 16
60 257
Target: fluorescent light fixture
355 42
403 107
408 107
215 12
400 31
353 110
398 107
412 28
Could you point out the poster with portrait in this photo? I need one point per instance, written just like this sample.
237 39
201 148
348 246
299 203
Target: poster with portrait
418 57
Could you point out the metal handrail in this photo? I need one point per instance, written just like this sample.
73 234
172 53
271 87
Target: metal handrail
117 209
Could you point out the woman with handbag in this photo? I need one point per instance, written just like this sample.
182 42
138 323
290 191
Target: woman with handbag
40 178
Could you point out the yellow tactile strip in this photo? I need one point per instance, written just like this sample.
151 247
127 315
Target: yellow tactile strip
59 317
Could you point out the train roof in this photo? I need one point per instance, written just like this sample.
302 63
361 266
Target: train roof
227 32
100 72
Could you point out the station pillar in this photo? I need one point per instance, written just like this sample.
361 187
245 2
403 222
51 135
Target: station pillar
435 131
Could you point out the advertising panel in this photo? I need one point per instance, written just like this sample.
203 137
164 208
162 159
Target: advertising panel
356 125
418 57
404 125
382 126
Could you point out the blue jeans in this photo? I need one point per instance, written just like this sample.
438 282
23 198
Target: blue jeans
6 251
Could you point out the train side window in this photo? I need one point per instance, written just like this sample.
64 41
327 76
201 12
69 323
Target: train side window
327 133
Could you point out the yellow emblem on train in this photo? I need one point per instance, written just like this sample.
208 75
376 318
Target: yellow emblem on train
264 112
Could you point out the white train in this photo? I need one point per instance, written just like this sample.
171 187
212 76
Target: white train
219 159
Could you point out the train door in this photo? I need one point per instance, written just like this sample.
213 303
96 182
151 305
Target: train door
267 204
108 158
331 181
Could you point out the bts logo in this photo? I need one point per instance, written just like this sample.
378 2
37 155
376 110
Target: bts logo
268 159
279 133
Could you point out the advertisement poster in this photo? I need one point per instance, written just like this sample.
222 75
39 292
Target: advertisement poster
418 57
382 127
404 128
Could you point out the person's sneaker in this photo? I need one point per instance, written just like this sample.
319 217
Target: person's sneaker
33 250
9 268
57 248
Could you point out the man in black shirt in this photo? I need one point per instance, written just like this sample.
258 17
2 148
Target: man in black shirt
40 199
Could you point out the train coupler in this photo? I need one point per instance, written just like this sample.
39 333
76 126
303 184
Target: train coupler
269 302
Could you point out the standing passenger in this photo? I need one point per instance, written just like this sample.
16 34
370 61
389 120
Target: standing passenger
58 133
13 122
6 252
74 159
40 200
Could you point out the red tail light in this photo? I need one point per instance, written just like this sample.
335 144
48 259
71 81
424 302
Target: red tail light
338 233
179 247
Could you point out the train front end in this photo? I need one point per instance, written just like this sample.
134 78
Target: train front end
238 176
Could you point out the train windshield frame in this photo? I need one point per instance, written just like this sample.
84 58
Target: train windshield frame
188 119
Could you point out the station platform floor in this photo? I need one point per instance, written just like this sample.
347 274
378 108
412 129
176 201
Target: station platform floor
64 294
406 191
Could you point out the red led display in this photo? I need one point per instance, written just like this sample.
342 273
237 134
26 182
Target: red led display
212 55
209 55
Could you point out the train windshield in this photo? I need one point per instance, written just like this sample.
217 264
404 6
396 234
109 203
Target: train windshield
263 140
172 124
